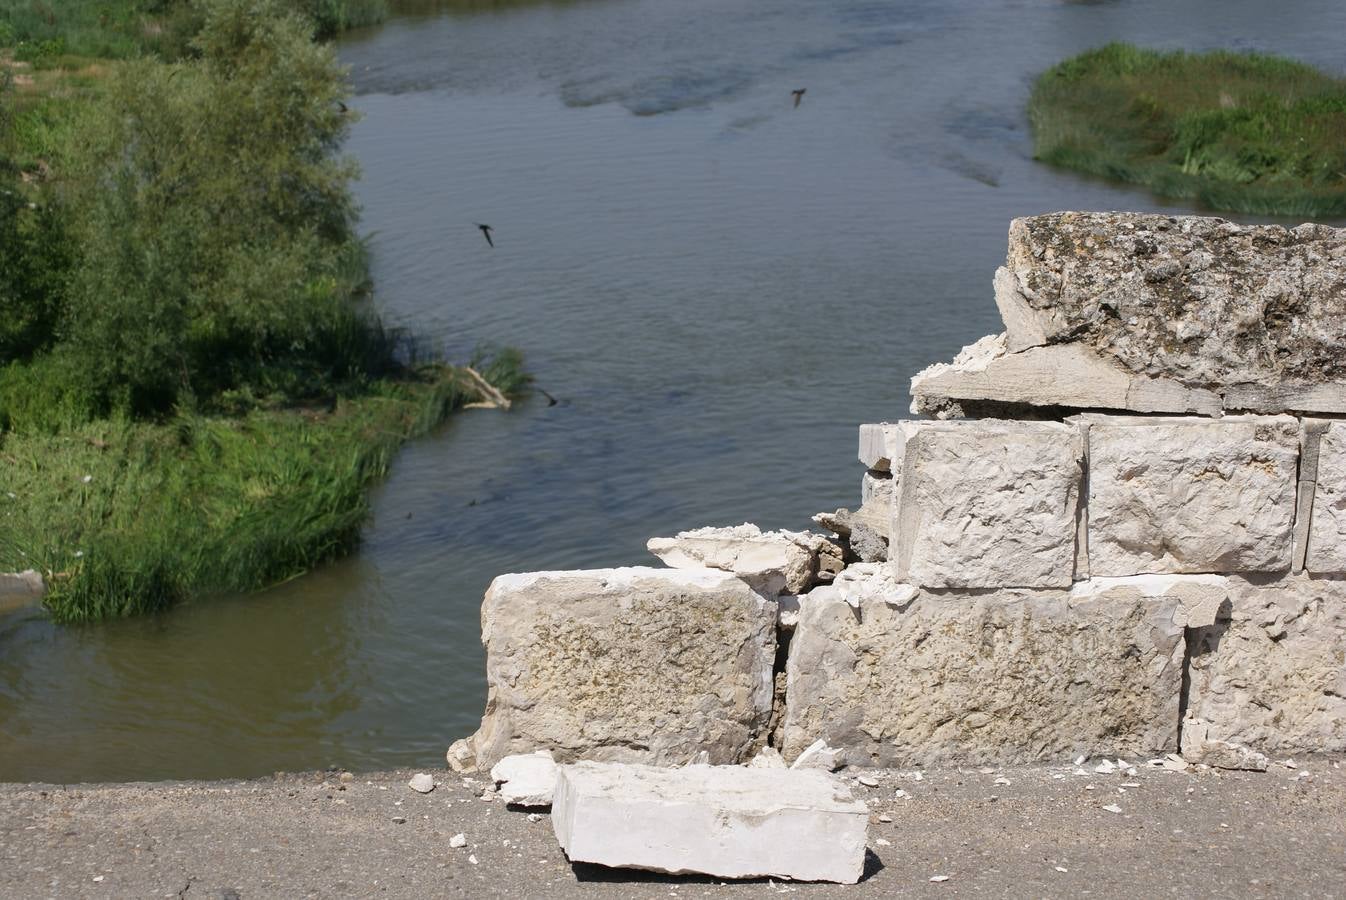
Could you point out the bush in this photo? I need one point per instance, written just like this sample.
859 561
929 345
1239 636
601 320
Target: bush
215 223
1245 132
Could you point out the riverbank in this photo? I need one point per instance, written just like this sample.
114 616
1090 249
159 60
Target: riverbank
1242 132
1014 832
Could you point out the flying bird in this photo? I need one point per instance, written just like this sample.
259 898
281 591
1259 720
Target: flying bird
486 232
798 95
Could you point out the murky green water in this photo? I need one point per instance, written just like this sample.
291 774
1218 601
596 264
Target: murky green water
718 288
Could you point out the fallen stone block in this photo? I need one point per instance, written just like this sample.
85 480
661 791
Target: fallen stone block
628 665
820 756
1169 495
526 779
728 822
1326 542
1198 748
988 504
774 562
767 758
1270 674
981 677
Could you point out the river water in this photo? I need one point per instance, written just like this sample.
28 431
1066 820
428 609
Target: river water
717 287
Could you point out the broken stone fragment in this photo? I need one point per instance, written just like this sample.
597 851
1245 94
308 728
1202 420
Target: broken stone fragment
422 783
631 665
526 779
767 758
988 504
1183 495
1269 673
820 756
773 562
978 677
880 445
1200 597
1198 748
728 822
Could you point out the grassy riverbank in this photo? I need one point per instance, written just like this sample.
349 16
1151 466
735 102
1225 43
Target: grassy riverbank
1242 132
195 389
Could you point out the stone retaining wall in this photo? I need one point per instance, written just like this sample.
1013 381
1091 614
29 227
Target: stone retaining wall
1036 573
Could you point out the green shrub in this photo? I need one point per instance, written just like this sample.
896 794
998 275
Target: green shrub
1244 132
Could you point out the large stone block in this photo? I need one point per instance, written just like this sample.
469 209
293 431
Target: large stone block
1271 672
896 677
1152 313
1190 495
1201 300
724 821
1326 548
774 562
986 504
628 665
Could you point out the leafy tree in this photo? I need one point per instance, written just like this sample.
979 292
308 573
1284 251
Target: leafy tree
215 222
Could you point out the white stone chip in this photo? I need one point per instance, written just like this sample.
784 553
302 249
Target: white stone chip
725 821
767 758
526 779
819 756
421 783
458 840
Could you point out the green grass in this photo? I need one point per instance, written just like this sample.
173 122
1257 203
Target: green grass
127 517
1242 132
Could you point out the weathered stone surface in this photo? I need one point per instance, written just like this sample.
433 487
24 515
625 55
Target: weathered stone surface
1069 376
1326 549
724 821
876 489
1191 495
988 504
1201 300
820 756
526 779
1271 672
1200 597
774 562
628 665
1154 313
1007 676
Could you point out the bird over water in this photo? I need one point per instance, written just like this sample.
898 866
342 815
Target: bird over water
486 232
798 94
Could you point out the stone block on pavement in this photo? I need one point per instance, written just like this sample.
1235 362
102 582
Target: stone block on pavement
896 677
629 665
724 821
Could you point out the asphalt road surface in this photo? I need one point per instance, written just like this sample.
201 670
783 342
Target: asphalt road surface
1011 832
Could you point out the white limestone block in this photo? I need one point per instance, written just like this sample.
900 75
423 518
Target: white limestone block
880 444
1327 531
526 779
1270 674
628 665
728 822
988 504
902 678
1178 495
774 562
